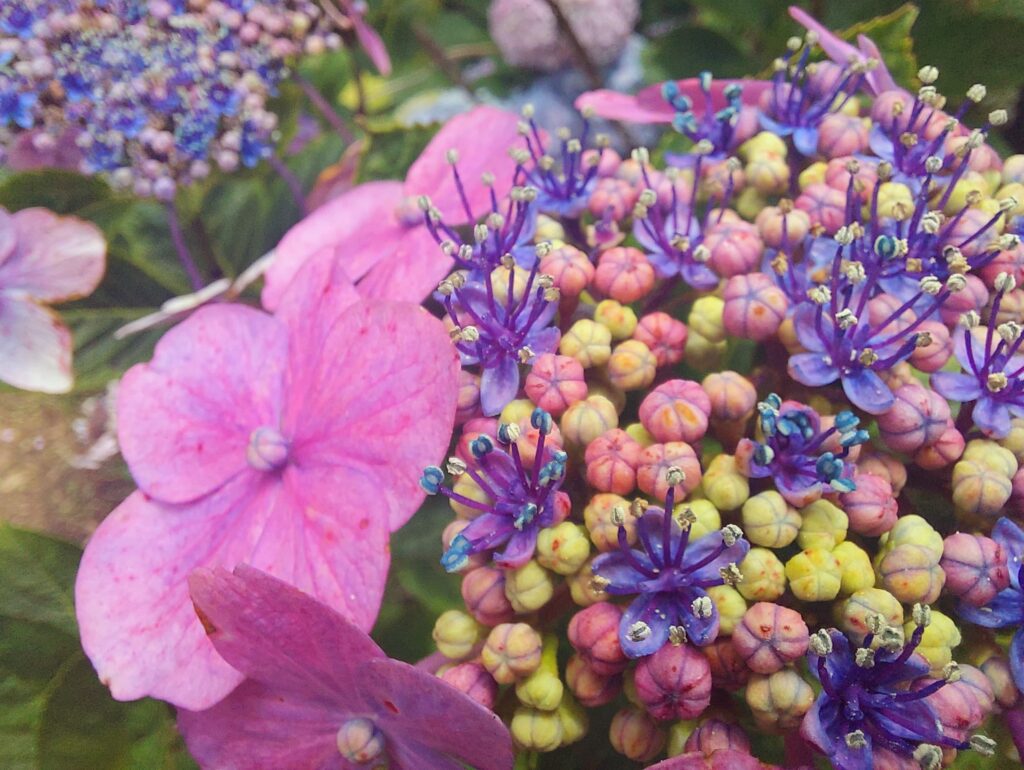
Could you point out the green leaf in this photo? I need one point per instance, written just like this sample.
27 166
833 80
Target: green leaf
390 152
56 715
688 49
891 34
61 191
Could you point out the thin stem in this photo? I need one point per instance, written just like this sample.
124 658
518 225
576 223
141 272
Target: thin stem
181 247
325 109
290 180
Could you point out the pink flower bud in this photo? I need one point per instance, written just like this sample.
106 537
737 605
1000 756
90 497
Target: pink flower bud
674 682
732 396
975 567
837 176
612 196
591 688
754 306
778 227
769 637
478 426
483 591
570 269
654 463
871 508
611 461
608 161
917 418
713 735
946 450
624 274
630 171
973 297
555 383
1000 676
736 247
1010 262
664 336
594 634
469 397
728 670
840 135
636 735
934 355
825 206
676 410
512 651
886 466
473 680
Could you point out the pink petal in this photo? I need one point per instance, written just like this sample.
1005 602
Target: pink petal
750 96
359 227
185 417
55 258
613 105
376 402
410 272
35 347
837 49
880 79
137 620
8 234
370 42
482 138
32 150
425 714
259 728
276 634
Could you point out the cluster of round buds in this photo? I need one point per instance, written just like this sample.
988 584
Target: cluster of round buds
151 95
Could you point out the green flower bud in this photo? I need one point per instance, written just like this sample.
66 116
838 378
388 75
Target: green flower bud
543 689
583 588
456 633
855 566
705 318
535 730
512 651
764 576
528 588
864 606
705 518
912 573
563 548
725 487
731 606
939 639
574 720
823 526
588 342
814 575
779 700
770 521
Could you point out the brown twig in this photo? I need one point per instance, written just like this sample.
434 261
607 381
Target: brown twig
583 60
438 55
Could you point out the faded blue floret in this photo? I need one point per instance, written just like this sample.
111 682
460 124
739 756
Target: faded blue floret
522 498
703 122
669 574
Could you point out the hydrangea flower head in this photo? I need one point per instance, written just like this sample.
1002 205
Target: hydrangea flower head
670 575
793 452
378 231
869 706
561 171
291 442
319 693
1006 610
523 498
993 368
43 258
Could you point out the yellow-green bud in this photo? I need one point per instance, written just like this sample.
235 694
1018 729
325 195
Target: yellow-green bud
583 588
563 548
764 576
465 486
823 526
724 485
543 689
855 565
588 342
1014 440
763 143
706 318
632 365
517 411
978 489
912 573
730 604
814 575
678 733
535 730
706 518
992 455
937 642
779 700
620 319
456 633
769 520
703 354
574 719
640 434
913 530
895 200
601 514
512 650
548 229
858 610
585 420
813 174
528 588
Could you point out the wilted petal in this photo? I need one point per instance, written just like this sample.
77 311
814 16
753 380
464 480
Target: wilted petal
375 402
35 347
185 418
359 227
55 258
482 138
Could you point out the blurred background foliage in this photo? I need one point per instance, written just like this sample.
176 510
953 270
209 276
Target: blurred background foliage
53 711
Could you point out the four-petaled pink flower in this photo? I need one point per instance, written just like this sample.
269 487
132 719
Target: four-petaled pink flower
43 258
377 230
291 442
320 694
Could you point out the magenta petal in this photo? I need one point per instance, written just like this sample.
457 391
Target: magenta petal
35 347
137 620
259 728
184 431
278 635
370 42
613 105
374 405
415 708
482 138
837 49
55 258
359 227
880 79
411 270
8 235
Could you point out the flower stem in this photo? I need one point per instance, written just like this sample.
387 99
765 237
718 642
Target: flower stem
325 109
181 247
290 180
